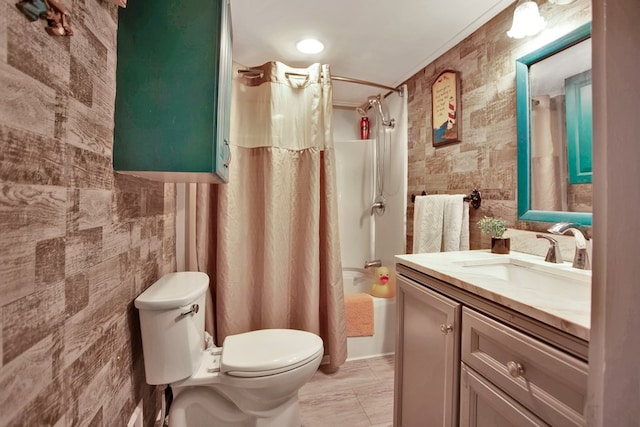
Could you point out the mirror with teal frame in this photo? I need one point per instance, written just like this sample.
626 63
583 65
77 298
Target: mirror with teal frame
548 171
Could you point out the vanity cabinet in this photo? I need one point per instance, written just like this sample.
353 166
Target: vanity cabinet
468 361
427 357
540 377
173 90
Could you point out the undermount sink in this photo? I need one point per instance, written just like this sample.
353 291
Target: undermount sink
517 271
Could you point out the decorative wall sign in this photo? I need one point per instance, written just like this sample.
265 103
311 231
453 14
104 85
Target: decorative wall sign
445 113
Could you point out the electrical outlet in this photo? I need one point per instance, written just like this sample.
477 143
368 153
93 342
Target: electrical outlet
136 417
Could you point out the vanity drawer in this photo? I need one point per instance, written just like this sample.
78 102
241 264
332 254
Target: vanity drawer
548 382
484 405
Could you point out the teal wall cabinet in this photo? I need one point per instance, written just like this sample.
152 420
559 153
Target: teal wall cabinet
579 124
173 90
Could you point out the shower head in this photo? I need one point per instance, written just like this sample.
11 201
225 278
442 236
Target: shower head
374 101
363 109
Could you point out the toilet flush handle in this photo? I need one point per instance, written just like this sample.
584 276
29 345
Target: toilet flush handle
194 309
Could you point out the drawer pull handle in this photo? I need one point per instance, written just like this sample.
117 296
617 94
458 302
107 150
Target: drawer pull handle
227 147
515 369
445 329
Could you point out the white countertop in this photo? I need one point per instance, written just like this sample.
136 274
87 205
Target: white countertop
563 302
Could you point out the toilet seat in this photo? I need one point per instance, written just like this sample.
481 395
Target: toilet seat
268 352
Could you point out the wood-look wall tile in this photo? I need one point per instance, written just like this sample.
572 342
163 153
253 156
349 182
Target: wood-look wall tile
17 268
98 420
128 200
101 22
30 319
45 165
128 262
104 283
108 298
94 208
50 259
88 47
4 12
104 104
22 380
62 111
149 228
83 250
48 407
87 169
128 205
27 104
147 274
73 210
116 239
39 58
56 105
90 130
122 402
153 199
93 395
76 291
81 84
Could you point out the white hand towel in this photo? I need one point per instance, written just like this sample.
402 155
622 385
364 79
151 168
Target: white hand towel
440 223
464 231
428 213
456 224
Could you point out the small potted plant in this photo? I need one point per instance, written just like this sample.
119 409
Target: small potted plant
495 227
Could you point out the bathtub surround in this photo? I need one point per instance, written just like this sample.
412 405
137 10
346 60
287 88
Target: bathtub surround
78 242
486 156
277 255
365 236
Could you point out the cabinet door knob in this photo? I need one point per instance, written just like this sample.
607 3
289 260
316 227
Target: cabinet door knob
445 329
515 369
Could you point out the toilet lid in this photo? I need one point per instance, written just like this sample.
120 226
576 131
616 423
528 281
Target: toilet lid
268 351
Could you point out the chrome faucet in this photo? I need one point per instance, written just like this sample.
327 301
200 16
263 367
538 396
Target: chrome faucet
553 254
374 263
581 257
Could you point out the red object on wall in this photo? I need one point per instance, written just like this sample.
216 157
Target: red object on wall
364 128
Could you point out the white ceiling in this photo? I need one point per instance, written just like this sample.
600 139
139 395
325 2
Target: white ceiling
382 41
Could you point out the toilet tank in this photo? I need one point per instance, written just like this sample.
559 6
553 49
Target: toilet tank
172 326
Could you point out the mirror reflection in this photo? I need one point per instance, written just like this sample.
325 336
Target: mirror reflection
554 130
561 130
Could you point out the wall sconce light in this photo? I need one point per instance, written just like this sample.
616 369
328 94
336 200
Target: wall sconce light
526 20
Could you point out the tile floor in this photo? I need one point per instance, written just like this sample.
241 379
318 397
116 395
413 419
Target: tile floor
359 394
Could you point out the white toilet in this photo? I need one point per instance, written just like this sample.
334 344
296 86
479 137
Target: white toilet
251 381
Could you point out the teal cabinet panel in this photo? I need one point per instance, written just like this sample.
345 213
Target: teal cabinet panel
173 90
579 127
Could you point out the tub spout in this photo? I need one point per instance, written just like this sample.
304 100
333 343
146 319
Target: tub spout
374 263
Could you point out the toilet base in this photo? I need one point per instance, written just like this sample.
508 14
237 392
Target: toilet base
200 406
289 416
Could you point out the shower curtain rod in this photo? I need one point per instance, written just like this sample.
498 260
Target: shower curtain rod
260 73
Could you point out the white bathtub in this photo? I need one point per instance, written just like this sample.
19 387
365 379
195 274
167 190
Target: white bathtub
383 341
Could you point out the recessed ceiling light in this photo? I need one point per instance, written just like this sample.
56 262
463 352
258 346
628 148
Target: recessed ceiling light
310 46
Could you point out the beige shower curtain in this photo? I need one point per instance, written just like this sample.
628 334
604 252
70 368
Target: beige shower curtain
277 263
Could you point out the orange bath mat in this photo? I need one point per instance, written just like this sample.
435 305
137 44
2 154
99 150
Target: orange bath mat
359 315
